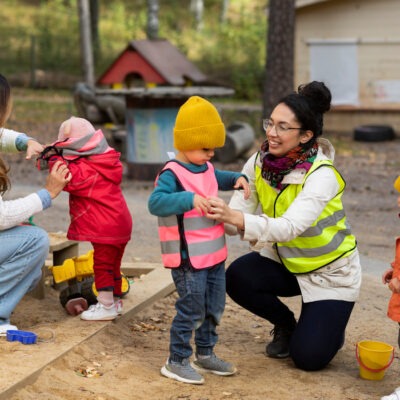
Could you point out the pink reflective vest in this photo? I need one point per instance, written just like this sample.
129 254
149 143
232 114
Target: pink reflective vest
205 238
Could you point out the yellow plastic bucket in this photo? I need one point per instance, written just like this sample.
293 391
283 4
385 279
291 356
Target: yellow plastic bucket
374 358
397 184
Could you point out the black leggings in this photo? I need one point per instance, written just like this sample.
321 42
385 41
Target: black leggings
255 282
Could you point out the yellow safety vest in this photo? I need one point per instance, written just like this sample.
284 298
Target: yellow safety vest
326 240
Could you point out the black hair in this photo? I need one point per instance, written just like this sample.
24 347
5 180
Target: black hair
309 104
5 104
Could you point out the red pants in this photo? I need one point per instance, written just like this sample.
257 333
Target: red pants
107 266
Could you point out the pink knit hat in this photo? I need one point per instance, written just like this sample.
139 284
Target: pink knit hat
75 127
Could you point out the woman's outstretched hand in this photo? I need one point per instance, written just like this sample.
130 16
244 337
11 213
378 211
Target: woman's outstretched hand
57 179
34 148
221 212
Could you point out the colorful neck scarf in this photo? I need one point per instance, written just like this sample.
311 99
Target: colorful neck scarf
73 148
87 145
273 168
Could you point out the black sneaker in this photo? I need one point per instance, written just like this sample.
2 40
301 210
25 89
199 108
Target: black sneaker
279 347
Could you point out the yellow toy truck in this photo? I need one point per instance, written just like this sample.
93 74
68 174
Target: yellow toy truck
80 292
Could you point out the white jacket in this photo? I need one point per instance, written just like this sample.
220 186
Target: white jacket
340 280
14 212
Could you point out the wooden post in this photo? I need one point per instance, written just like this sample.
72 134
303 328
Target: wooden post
86 41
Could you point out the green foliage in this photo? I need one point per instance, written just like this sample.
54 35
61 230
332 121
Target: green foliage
45 35
233 52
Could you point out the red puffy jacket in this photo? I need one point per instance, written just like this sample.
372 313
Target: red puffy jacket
97 206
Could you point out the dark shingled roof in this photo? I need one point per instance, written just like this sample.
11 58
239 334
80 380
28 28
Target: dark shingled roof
168 61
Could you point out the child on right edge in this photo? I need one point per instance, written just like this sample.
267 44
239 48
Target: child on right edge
391 277
192 245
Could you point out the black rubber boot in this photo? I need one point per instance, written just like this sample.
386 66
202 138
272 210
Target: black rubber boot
279 346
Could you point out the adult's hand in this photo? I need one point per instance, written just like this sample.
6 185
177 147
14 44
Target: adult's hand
57 179
34 148
221 212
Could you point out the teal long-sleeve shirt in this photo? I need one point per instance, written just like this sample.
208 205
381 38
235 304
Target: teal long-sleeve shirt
169 198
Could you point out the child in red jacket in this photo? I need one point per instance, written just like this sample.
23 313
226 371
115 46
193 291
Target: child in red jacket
98 210
391 277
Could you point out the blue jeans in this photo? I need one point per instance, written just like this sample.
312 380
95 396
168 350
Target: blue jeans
199 308
23 251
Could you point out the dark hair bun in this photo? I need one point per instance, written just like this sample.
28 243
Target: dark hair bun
319 95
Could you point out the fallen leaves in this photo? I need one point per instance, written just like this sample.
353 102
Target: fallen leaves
145 327
89 371
152 324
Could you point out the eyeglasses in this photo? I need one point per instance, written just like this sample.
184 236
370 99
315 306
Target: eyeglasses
279 129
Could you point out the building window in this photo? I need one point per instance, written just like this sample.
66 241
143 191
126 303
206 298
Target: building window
335 63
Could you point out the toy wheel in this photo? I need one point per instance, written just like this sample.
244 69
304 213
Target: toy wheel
71 292
373 133
78 289
87 291
76 306
125 286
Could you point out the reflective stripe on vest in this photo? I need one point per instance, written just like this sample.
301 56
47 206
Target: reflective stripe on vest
326 240
205 238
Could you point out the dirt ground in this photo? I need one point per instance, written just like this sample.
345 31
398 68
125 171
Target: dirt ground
126 357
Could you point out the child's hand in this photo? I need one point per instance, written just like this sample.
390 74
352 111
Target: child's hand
201 204
398 201
34 148
394 285
242 183
387 276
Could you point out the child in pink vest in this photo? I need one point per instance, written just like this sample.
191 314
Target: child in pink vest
192 245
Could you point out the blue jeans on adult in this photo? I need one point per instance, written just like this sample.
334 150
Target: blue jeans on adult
199 308
23 251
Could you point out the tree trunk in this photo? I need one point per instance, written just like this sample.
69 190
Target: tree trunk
94 25
197 7
86 41
224 11
279 79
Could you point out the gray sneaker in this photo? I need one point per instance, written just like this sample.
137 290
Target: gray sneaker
215 365
182 372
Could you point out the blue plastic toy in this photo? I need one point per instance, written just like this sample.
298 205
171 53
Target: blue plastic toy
24 337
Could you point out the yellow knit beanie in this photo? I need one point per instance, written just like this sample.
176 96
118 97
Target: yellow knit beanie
198 126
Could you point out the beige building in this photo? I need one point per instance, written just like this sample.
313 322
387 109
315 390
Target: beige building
354 47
